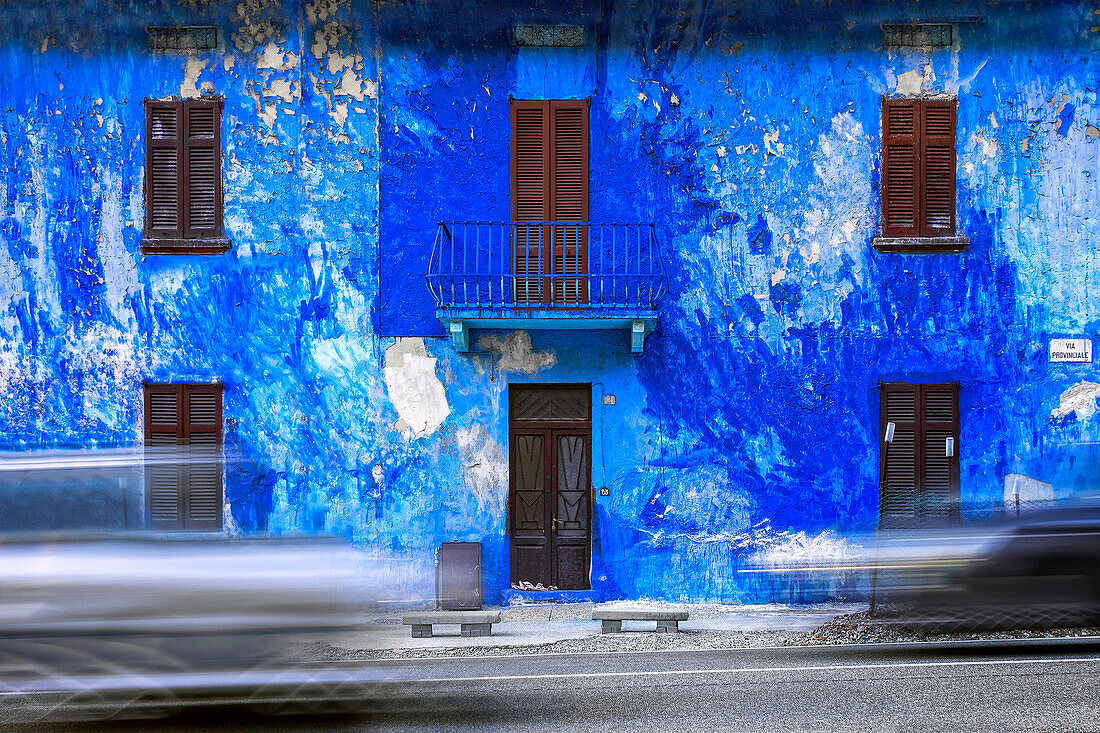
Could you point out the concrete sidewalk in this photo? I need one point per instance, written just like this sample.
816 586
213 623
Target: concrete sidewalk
547 625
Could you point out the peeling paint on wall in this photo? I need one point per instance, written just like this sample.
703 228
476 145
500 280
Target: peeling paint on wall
516 354
414 389
1079 400
485 468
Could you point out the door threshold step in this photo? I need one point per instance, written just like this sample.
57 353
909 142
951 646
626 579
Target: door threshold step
513 597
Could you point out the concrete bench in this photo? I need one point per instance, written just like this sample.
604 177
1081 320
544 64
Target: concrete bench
668 619
474 623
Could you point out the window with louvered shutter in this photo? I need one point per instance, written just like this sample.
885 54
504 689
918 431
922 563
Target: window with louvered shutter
918 167
919 468
183 470
183 184
550 183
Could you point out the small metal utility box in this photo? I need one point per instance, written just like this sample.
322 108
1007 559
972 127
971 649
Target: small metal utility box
458 576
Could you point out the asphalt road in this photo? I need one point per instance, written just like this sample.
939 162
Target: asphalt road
1029 686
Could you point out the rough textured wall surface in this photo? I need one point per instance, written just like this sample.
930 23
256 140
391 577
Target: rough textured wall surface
749 134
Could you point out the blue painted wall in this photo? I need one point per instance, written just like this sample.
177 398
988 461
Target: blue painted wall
750 136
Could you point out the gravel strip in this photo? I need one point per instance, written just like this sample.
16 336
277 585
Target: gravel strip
851 628
862 628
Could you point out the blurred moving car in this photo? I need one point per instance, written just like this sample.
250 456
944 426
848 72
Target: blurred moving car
1039 571
99 626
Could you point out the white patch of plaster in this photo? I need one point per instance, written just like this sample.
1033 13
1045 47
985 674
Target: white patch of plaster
910 83
352 86
285 89
268 115
340 113
1080 398
189 89
990 149
413 387
772 146
849 227
484 467
516 354
993 121
1027 488
275 58
722 151
337 62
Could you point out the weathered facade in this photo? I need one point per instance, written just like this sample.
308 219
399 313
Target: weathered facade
741 416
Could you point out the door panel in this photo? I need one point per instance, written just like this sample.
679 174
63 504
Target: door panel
549 503
571 511
530 505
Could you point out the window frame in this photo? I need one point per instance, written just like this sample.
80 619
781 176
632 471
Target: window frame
917 242
180 240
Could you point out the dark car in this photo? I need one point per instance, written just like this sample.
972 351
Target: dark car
1039 571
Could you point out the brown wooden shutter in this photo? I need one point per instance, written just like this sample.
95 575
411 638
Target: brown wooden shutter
163 470
918 481
939 424
183 471
900 473
202 190
203 435
901 167
530 196
569 198
937 158
163 169
530 160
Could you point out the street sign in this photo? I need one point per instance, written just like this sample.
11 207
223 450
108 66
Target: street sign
1075 349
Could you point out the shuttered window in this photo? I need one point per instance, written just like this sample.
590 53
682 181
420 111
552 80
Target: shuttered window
183 461
550 184
183 183
918 167
919 467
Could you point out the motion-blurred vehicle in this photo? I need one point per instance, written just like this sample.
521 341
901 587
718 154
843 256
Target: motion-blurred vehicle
136 625
1039 571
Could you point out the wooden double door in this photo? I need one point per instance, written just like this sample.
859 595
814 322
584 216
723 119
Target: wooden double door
550 478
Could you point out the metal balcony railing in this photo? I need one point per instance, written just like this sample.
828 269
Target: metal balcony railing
547 266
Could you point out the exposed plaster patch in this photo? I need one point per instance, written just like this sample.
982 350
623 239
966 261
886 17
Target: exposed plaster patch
189 89
268 115
1092 132
990 149
285 89
413 387
321 10
910 83
1080 398
1027 488
340 113
849 227
772 146
993 121
351 85
516 354
275 58
484 467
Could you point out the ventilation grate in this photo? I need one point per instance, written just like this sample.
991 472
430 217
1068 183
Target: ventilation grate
185 38
935 35
560 36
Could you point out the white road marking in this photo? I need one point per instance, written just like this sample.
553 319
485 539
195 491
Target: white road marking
746 670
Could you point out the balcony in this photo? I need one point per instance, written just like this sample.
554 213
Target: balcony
546 275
